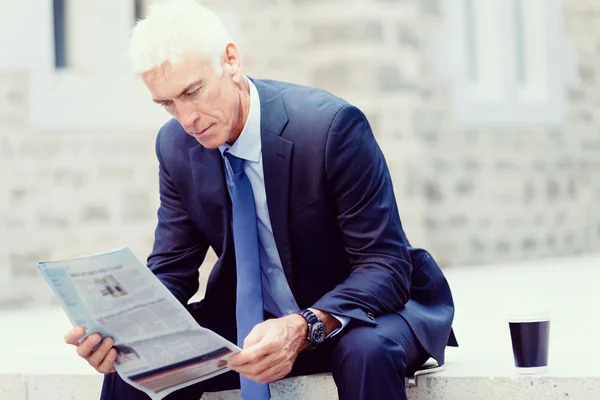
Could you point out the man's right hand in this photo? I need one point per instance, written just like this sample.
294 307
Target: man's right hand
102 359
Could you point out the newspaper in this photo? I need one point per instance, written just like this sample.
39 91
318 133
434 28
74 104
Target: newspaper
160 346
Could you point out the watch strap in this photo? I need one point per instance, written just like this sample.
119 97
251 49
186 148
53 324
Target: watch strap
309 316
312 322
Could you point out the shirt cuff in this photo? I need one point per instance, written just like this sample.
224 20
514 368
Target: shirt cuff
343 320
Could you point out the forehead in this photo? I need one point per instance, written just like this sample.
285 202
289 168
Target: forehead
176 74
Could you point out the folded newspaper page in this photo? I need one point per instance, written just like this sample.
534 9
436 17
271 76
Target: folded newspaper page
160 346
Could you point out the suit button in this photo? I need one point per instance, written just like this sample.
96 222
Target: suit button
371 316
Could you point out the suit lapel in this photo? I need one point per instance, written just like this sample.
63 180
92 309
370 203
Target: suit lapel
277 158
211 188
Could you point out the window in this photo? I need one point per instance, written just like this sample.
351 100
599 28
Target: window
508 60
140 8
80 75
60 46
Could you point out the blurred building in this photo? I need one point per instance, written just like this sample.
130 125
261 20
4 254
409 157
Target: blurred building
485 110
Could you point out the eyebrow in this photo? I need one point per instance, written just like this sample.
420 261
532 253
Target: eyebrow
199 82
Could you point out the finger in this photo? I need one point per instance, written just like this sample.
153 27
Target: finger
87 346
249 355
256 367
100 353
271 374
255 335
73 336
107 365
252 340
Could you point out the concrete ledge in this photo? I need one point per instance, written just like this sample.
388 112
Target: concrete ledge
50 387
319 387
445 388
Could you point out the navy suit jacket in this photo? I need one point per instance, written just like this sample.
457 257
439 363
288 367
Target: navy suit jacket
333 212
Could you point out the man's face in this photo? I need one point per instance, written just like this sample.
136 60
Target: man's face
205 104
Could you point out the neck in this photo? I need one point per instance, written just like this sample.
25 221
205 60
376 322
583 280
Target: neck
243 111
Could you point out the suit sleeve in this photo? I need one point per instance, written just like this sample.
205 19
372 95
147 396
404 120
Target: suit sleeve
179 248
360 186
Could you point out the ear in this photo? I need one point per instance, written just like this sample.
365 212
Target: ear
232 63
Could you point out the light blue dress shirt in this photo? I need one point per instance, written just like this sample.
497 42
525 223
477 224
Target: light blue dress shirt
277 295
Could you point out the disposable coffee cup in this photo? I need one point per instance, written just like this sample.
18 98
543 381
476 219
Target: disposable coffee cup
530 337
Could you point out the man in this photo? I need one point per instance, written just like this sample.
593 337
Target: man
290 189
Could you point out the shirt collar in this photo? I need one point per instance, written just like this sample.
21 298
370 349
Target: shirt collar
248 144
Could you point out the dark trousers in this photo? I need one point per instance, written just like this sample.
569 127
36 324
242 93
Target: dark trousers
367 362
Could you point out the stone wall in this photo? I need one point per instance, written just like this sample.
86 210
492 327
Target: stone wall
67 193
469 195
501 194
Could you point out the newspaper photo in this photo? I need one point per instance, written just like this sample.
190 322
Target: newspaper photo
160 346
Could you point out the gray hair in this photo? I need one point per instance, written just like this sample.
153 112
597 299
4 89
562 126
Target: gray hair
173 28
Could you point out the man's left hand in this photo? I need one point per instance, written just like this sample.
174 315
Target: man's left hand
271 348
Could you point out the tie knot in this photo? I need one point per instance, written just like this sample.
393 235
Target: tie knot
235 162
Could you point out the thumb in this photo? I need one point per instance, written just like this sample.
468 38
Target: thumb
73 336
255 335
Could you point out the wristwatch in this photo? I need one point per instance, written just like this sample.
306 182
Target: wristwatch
316 329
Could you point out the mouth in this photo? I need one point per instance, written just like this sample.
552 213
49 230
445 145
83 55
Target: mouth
200 133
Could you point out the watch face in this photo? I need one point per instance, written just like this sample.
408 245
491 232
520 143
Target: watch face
318 333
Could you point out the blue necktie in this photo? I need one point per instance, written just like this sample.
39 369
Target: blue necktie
249 304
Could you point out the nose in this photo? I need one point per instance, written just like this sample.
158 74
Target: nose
187 116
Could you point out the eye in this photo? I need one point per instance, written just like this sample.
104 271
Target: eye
168 106
193 92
